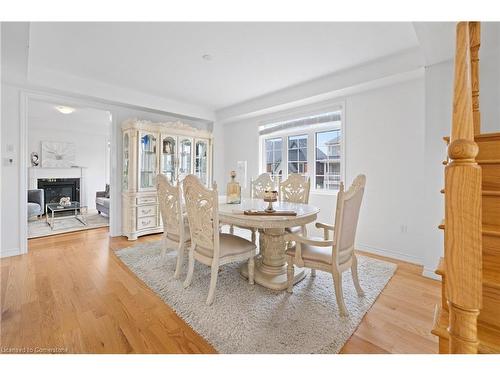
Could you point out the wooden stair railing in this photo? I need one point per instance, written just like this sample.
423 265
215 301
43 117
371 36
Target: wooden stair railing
463 259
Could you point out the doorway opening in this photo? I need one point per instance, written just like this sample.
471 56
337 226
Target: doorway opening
68 167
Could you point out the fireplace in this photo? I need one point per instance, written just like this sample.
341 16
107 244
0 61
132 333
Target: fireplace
56 188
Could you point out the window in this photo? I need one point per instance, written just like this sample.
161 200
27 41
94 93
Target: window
311 146
297 154
274 156
327 174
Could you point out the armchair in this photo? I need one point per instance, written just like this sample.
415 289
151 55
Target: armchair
336 255
36 203
102 201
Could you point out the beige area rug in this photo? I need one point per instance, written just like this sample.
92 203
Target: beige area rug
253 319
40 228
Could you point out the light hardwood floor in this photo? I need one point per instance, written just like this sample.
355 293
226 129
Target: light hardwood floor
71 292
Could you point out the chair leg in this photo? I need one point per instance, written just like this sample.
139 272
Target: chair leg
339 295
289 274
189 276
251 270
254 237
231 229
313 272
213 284
164 245
355 278
180 259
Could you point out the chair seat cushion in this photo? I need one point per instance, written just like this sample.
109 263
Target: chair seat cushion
229 245
313 253
34 209
102 201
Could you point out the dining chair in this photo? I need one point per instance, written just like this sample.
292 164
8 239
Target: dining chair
208 245
336 255
175 223
295 189
257 188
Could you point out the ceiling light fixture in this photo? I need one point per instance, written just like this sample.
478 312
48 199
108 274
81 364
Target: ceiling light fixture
207 57
64 109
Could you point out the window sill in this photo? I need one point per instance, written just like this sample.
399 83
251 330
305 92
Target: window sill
324 192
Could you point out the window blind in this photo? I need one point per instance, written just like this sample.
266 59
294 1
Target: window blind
321 118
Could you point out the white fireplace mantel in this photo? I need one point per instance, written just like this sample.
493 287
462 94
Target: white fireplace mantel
36 173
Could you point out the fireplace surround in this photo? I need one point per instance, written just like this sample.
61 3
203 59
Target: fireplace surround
56 188
35 174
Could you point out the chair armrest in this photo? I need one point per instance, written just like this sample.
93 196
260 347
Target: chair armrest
326 229
308 241
100 194
36 196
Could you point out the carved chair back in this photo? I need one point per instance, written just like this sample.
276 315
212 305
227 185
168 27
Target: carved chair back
170 198
259 185
295 189
202 206
346 220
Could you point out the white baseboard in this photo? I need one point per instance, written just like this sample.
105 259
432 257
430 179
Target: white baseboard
10 253
390 254
427 272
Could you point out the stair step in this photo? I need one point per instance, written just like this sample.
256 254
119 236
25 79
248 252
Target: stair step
490 176
488 229
491 209
489 337
488 161
491 193
490 311
491 230
489 146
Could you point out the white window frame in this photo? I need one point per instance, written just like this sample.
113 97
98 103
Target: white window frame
310 131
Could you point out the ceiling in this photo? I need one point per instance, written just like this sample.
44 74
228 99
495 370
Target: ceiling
43 114
248 60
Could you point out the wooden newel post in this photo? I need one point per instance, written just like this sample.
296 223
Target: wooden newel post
463 210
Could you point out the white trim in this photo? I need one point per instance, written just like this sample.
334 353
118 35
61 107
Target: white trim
390 254
431 274
23 172
10 253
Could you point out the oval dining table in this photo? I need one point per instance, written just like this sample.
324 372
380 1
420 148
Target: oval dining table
270 264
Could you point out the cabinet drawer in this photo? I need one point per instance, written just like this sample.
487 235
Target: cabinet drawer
143 211
145 200
146 222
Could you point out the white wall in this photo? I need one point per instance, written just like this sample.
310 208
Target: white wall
90 141
384 131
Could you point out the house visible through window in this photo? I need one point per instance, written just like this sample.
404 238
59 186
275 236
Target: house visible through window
310 146
328 160
274 156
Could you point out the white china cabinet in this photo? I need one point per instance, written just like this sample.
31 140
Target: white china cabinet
174 149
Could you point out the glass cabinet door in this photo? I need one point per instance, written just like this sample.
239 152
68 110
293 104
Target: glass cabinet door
148 161
126 158
201 160
185 156
168 157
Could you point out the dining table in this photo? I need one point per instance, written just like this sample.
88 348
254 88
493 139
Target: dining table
270 263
